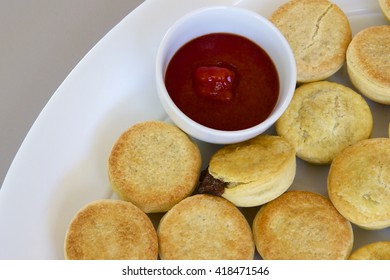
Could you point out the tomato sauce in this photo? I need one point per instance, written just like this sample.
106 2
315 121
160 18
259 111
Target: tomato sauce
223 81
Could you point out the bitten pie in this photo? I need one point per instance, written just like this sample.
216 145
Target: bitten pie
252 172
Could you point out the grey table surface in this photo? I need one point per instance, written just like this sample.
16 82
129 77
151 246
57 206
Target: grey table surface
40 43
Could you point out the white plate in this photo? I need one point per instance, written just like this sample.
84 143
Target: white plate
61 164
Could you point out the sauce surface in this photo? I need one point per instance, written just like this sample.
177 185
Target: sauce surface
223 81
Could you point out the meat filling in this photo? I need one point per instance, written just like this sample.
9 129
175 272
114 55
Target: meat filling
210 185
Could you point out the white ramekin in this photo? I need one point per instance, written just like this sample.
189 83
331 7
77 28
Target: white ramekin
227 19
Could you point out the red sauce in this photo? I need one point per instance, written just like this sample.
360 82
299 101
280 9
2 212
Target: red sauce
223 81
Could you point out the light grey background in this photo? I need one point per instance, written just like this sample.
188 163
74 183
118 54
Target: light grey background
41 41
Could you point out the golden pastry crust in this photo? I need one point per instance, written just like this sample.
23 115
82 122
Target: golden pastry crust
205 227
111 230
368 63
257 170
373 251
301 225
322 119
154 165
359 183
318 32
385 7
